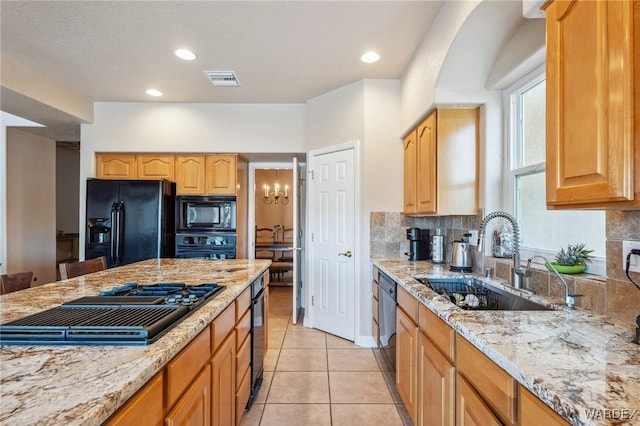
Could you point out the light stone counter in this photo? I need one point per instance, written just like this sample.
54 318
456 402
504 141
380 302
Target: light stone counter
573 360
84 385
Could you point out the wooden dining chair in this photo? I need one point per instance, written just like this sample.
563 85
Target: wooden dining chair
14 282
264 236
75 269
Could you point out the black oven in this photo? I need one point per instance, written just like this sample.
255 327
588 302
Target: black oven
206 245
205 213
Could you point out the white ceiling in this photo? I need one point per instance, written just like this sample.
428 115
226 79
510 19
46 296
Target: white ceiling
281 51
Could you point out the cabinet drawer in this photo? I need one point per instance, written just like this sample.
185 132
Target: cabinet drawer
222 326
494 384
243 329
243 303
408 303
186 365
376 272
437 331
242 395
243 360
375 290
145 407
535 412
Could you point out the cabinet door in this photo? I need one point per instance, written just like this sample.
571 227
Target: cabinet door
471 409
426 191
145 407
116 166
589 126
223 383
221 175
410 153
190 174
534 412
406 362
155 166
193 409
436 386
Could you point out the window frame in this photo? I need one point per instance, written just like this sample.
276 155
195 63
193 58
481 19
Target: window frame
514 153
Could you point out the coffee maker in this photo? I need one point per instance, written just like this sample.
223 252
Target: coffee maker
419 244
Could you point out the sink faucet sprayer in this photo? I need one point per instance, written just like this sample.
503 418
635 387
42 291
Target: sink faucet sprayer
568 298
518 271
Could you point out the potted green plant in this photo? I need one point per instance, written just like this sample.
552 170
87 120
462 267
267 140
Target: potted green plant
573 260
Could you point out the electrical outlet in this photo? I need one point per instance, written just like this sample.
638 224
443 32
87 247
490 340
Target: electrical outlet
634 264
473 239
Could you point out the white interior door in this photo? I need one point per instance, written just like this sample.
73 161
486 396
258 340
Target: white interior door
297 241
332 226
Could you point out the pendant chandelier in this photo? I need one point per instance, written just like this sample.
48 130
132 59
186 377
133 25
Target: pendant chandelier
276 196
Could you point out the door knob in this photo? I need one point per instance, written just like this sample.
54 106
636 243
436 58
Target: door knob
347 254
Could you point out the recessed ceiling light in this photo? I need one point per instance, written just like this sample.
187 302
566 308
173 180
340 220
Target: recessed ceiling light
185 54
153 92
370 57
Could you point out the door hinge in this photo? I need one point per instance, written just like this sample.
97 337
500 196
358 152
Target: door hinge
312 236
313 301
312 174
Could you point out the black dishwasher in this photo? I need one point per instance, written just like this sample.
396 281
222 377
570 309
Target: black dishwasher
258 333
387 317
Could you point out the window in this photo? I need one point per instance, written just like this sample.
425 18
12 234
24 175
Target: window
542 231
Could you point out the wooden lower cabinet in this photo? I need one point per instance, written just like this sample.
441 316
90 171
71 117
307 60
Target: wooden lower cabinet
144 408
534 412
406 362
194 407
470 408
223 383
436 386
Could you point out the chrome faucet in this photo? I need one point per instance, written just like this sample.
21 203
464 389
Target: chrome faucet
518 271
569 299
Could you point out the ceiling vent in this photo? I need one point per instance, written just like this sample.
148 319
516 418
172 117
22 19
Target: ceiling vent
223 78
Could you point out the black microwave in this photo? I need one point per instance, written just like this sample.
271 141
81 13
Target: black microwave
206 213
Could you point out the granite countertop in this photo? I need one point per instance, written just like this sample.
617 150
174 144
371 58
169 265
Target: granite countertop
84 385
575 361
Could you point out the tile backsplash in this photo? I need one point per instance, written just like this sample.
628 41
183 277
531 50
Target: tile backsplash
614 295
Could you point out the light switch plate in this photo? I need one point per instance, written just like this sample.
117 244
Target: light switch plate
634 265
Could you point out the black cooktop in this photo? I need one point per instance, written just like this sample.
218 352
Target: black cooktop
131 314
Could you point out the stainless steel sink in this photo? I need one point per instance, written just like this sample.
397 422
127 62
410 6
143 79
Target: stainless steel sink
473 294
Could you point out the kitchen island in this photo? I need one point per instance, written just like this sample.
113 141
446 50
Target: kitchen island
85 385
583 366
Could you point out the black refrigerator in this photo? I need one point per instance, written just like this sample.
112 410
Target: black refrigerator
130 220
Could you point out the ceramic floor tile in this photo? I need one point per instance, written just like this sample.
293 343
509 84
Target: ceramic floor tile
302 360
365 414
261 398
353 387
271 359
275 339
304 340
352 360
278 324
298 326
299 388
340 343
296 414
252 417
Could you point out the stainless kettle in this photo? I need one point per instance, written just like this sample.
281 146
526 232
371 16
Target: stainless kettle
461 256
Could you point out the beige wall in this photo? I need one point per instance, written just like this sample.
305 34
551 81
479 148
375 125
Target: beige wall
269 215
31 205
67 184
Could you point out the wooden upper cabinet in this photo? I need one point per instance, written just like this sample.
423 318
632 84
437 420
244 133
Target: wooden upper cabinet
592 155
220 175
154 166
426 165
410 151
441 164
190 174
116 166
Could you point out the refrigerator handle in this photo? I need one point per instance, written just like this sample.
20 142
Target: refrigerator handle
114 233
120 247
